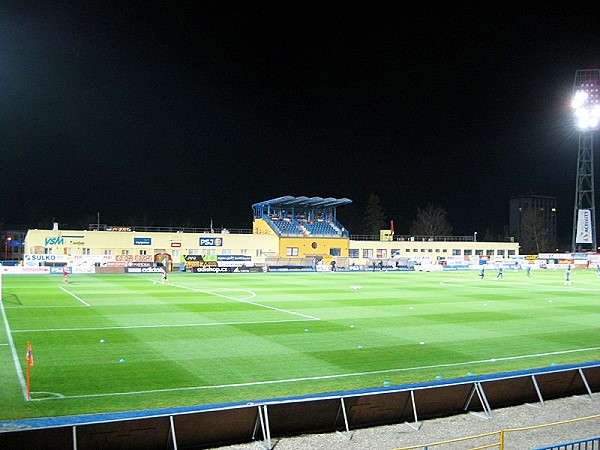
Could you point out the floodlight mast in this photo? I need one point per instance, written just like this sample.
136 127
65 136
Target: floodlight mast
586 103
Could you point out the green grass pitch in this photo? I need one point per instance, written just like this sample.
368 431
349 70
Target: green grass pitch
107 343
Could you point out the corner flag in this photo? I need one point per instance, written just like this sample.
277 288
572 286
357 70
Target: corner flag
29 355
29 358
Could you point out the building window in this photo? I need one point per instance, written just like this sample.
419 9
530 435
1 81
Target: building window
353 253
108 252
335 251
479 252
367 253
381 253
291 251
194 251
47 250
244 251
511 253
456 252
86 251
226 251
468 252
124 252
489 253
500 252
175 254
143 252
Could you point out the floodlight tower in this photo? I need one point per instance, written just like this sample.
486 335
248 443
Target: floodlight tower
586 103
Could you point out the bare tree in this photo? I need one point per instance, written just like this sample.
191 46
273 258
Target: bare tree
431 221
536 234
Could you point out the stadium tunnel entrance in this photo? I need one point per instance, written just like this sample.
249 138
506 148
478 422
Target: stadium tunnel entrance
162 258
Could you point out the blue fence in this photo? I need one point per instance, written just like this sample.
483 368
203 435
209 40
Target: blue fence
584 444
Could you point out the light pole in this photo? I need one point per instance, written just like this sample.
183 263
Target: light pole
586 104
475 236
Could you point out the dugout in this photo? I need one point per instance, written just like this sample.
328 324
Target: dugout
395 263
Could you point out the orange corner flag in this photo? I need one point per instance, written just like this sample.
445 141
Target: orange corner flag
29 358
29 355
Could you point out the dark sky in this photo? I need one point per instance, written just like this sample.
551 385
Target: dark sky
173 113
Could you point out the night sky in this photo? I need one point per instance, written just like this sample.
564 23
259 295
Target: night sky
176 113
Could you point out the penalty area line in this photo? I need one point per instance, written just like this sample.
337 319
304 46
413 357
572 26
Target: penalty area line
74 296
315 378
175 325
273 308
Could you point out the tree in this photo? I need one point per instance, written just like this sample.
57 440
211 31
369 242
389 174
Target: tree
374 219
431 221
536 234
489 236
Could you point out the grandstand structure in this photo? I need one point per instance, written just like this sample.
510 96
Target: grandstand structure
302 216
288 233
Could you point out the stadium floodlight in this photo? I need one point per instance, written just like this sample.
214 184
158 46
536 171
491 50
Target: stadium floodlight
586 106
587 114
586 100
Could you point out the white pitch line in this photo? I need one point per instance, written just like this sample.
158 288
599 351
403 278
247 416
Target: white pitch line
480 284
324 377
246 301
41 306
13 351
74 296
176 325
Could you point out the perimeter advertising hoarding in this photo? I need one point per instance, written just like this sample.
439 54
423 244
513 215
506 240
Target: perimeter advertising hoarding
32 259
134 258
226 269
193 261
143 270
234 261
16 270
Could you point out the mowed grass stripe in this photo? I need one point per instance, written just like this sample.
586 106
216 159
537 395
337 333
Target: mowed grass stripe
363 335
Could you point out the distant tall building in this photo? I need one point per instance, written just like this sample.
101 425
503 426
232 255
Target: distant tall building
532 222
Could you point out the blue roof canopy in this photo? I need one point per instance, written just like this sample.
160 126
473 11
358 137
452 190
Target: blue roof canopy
295 202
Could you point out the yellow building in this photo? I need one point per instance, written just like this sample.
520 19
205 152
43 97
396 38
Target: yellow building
287 233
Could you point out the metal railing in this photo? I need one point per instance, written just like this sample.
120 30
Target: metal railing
409 238
146 229
497 439
584 444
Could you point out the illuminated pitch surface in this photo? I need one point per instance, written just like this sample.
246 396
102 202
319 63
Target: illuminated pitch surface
121 342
